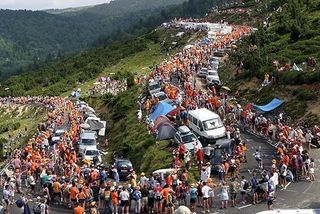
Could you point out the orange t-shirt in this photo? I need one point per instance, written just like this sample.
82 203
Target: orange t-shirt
82 195
114 197
165 192
78 210
73 192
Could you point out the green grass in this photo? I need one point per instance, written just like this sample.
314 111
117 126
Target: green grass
13 122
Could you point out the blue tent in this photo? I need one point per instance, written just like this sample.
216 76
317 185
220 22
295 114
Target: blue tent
162 108
275 103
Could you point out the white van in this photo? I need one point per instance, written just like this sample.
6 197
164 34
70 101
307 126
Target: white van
206 124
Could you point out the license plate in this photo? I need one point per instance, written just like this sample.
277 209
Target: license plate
123 170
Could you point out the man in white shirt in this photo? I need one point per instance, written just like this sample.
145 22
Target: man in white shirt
275 180
206 194
124 198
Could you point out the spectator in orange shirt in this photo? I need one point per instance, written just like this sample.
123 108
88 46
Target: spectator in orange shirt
78 209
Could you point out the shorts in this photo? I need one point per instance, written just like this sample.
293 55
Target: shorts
81 201
150 202
205 198
282 176
270 201
243 192
124 203
193 200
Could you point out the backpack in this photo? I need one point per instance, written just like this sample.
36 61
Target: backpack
20 203
37 208
246 185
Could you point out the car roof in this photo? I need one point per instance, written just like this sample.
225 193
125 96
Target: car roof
183 129
153 83
122 159
88 135
203 114
223 142
163 171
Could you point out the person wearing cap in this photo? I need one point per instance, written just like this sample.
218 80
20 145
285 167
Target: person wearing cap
143 179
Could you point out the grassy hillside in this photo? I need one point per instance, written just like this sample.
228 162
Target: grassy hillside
31 38
18 121
293 37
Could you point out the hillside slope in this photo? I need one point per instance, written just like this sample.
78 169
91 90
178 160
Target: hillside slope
291 38
29 38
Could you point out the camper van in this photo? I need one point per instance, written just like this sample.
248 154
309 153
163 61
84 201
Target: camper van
206 124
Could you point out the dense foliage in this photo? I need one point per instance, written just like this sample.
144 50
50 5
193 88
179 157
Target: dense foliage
31 38
292 37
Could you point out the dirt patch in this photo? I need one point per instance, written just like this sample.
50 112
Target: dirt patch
314 107
254 83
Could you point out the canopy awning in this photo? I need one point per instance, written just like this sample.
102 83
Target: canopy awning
275 103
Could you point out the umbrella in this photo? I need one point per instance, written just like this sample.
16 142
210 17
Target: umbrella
226 88
85 126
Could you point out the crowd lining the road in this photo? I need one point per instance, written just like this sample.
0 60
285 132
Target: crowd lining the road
57 175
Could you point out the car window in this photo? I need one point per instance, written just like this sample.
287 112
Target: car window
92 152
155 86
124 164
162 97
195 121
57 134
188 138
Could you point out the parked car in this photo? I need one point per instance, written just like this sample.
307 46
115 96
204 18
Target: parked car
87 141
203 72
163 97
214 63
219 53
56 136
186 137
223 148
212 75
206 124
92 154
163 173
154 87
124 167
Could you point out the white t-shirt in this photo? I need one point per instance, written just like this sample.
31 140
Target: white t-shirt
275 178
206 191
242 185
124 196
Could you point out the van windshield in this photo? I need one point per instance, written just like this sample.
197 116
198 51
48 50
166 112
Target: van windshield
212 124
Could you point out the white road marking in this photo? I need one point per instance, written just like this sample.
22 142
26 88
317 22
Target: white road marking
248 205
307 189
285 187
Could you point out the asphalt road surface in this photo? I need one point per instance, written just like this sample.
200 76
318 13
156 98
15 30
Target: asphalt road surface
303 194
